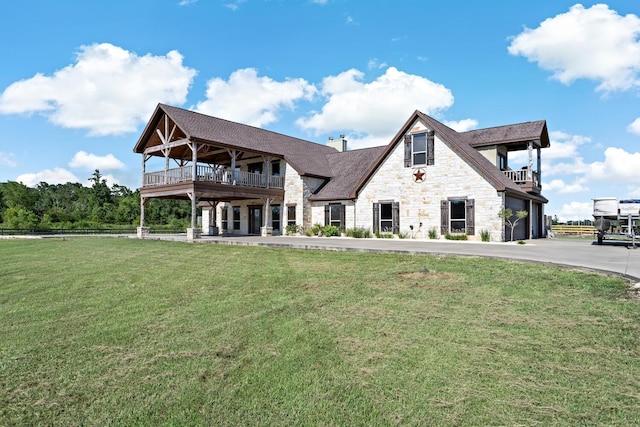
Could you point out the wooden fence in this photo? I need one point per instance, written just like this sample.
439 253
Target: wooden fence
573 230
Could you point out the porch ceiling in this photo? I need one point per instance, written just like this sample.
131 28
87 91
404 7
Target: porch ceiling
207 191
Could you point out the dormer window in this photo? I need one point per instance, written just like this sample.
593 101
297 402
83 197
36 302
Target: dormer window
419 149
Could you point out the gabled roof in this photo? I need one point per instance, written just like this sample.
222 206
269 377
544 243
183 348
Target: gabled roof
460 143
517 134
308 158
347 168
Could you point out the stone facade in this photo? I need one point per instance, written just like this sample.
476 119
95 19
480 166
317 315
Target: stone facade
417 202
449 176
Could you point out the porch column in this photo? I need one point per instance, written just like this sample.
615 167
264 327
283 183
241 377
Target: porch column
142 231
530 152
213 220
267 229
194 232
267 170
539 168
530 219
234 153
194 160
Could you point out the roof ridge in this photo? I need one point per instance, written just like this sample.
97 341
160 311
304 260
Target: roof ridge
209 117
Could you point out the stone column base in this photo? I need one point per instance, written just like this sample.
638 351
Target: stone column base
194 233
142 232
266 231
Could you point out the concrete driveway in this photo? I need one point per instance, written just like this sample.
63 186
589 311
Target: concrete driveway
617 258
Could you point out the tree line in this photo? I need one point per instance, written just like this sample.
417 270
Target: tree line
73 205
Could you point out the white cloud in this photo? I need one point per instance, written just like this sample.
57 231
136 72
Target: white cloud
576 211
374 64
262 97
8 159
560 187
107 91
89 161
462 125
594 43
50 176
564 145
619 166
373 110
634 127
187 2
234 5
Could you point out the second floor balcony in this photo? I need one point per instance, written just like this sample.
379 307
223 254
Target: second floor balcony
526 178
205 173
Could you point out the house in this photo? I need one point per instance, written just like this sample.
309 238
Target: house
248 180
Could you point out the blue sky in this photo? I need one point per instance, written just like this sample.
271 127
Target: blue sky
80 79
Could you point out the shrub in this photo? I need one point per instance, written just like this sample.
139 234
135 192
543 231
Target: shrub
358 232
315 230
402 235
380 235
330 230
292 229
485 236
455 236
433 233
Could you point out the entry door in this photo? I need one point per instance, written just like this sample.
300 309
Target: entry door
255 219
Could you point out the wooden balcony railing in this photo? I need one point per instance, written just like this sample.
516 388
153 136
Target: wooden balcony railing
523 177
208 174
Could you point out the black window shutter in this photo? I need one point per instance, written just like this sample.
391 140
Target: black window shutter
407 151
326 214
343 217
376 218
444 217
395 217
430 147
470 217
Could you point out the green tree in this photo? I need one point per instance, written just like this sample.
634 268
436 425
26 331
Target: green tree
20 217
507 216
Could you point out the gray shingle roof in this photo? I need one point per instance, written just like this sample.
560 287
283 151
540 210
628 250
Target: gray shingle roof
308 158
461 144
521 132
347 169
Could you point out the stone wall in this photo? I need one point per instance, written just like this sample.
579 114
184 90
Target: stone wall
450 176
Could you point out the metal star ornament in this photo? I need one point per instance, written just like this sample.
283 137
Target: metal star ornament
419 175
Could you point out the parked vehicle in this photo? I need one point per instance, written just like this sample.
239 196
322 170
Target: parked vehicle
616 219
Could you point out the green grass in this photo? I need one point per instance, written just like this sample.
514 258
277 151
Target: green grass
114 331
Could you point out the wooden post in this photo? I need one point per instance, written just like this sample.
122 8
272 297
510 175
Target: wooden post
267 229
530 152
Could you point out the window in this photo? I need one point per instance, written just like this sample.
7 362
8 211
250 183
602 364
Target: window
236 217
457 215
291 214
502 161
225 218
275 217
254 167
419 149
275 168
334 214
386 217
457 219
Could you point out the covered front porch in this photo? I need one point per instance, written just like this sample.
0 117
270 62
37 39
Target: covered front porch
205 172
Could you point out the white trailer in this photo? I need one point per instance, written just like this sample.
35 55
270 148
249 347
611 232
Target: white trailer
616 219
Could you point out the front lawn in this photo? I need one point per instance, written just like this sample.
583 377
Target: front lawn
99 331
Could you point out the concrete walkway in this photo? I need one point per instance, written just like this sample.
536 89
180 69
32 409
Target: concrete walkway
619 258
